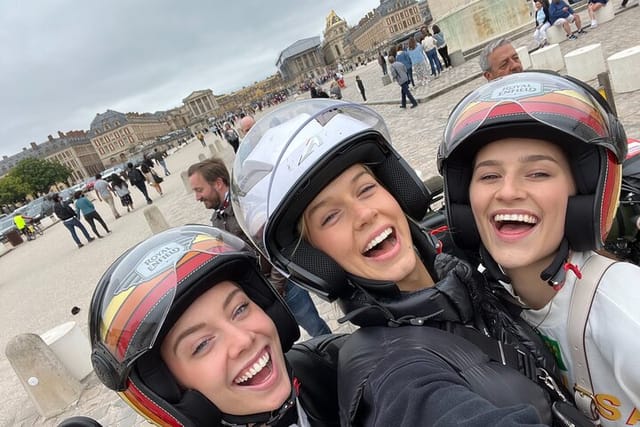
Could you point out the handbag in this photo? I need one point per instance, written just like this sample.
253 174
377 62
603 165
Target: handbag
156 178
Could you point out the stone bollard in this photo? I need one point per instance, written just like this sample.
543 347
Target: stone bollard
525 59
185 182
46 380
202 157
155 219
71 347
457 58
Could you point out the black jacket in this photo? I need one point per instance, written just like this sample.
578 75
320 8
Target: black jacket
64 212
424 376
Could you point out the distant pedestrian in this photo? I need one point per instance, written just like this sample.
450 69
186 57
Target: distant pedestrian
137 178
86 208
361 88
429 46
335 90
200 137
231 136
69 218
399 74
159 157
150 175
441 45
122 190
383 63
103 192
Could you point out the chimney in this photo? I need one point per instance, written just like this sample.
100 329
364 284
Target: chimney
60 134
49 137
34 146
5 157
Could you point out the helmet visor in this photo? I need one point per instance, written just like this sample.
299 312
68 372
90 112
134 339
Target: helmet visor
142 288
530 97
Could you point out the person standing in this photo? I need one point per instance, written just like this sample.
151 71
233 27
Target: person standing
399 74
419 61
69 218
159 158
86 208
122 190
231 136
383 63
405 59
200 137
103 192
441 45
498 59
361 88
429 46
209 180
137 178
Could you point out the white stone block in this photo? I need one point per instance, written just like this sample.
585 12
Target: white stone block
556 34
72 347
623 68
525 59
605 13
548 58
586 62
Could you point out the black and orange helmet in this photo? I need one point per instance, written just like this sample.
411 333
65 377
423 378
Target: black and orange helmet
545 106
145 291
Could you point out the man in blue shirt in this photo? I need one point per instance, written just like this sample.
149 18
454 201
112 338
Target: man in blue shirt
560 13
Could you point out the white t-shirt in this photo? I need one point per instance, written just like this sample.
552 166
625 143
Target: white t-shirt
428 43
102 187
612 339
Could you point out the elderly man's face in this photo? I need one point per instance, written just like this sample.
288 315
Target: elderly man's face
503 60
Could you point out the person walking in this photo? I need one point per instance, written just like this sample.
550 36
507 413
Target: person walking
137 178
231 136
399 74
159 158
69 218
86 208
122 190
152 178
361 88
383 63
103 192
209 180
200 137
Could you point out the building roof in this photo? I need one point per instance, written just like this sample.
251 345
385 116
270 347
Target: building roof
299 47
108 117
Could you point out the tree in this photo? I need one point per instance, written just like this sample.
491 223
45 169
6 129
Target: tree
39 175
12 189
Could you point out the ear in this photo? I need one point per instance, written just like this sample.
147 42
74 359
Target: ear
487 75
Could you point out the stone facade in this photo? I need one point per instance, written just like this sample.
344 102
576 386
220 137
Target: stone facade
302 60
116 136
335 46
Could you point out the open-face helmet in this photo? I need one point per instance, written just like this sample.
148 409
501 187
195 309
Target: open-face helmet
142 295
288 157
545 106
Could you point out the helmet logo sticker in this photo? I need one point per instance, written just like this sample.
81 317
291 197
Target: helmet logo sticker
309 146
159 259
517 90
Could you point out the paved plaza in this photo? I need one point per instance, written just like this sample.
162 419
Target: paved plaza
40 281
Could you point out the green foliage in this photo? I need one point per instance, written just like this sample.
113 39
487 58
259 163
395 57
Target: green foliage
12 189
39 175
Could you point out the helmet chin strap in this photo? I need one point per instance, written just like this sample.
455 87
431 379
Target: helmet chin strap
554 274
285 415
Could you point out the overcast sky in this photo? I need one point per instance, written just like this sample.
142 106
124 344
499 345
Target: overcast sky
62 61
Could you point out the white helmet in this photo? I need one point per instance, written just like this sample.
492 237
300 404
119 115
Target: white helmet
288 157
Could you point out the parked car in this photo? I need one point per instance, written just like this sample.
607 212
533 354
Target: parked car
106 174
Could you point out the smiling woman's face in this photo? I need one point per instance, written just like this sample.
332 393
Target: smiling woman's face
355 221
519 193
227 348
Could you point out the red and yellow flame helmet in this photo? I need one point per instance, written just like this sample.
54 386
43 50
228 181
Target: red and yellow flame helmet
550 107
141 296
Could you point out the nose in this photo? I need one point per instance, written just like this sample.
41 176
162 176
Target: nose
240 339
510 189
364 214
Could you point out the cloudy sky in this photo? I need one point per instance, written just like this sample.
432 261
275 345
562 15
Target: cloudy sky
63 61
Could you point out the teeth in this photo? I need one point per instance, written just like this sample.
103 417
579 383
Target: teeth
257 367
529 219
386 233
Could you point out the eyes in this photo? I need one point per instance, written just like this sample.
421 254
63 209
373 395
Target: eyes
201 346
332 213
489 176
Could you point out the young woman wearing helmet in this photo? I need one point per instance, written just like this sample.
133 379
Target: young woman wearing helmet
320 191
189 333
532 170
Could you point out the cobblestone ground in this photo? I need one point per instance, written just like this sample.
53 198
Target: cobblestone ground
41 281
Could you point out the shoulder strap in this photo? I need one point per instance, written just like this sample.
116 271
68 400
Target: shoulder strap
582 296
